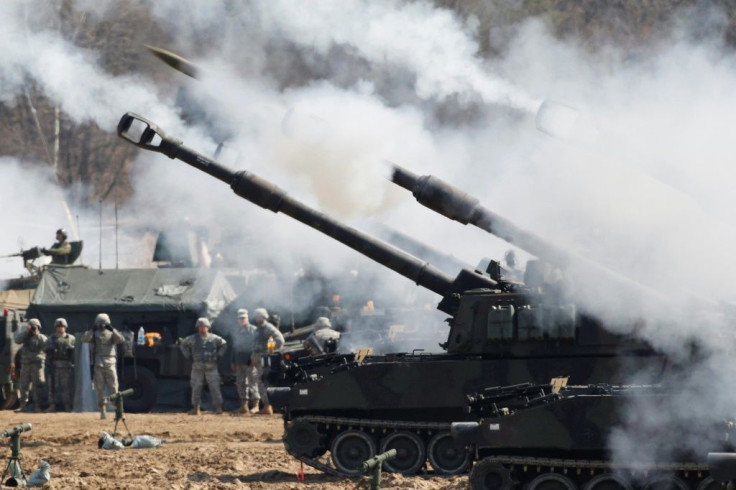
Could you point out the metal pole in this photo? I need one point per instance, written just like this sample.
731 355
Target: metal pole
100 235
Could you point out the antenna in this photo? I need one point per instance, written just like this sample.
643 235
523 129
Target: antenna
100 236
116 227
81 261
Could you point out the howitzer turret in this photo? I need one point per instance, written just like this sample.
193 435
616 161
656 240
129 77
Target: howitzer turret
259 191
501 333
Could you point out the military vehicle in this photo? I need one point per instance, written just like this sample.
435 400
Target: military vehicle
165 302
555 436
501 332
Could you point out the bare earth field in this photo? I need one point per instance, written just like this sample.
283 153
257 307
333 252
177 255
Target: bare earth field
209 451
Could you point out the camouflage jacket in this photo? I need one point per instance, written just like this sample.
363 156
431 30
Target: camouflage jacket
103 344
207 349
33 346
59 252
261 338
242 342
60 349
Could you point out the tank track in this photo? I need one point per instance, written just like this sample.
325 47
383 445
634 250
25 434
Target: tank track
580 465
369 425
694 475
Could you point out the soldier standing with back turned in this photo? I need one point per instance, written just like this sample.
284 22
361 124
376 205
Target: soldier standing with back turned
104 338
204 349
264 332
60 351
32 360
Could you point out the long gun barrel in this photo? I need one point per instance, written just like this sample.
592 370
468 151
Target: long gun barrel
16 430
147 135
458 205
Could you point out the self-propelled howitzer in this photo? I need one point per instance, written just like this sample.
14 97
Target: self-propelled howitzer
501 333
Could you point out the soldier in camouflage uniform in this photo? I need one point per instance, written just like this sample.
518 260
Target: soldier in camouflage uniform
204 349
242 348
60 250
32 360
264 330
60 351
104 338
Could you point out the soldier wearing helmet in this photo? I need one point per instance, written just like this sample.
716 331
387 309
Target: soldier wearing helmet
204 349
265 333
103 339
323 338
60 250
32 361
60 351
242 340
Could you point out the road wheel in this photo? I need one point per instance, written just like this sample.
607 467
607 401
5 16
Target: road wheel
303 439
350 449
490 475
446 456
410 454
708 483
664 482
552 481
608 481
145 389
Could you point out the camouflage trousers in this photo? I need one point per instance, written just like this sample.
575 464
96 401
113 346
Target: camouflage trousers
31 379
62 386
106 378
202 372
255 380
242 383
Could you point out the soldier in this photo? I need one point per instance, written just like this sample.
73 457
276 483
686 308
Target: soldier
32 360
60 250
60 350
242 348
104 338
204 349
264 332
323 339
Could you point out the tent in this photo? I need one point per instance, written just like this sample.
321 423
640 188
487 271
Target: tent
79 294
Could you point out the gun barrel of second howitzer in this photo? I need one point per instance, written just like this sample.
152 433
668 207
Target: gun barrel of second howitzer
16 430
458 205
377 460
269 196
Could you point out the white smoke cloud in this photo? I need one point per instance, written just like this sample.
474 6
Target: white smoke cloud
317 96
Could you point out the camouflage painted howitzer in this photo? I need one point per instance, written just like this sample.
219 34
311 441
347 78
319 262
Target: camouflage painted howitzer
539 436
501 333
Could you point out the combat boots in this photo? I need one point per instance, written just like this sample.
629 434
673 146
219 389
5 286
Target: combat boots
243 409
218 409
103 412
50 409
195 411
21 407
268 410
256 406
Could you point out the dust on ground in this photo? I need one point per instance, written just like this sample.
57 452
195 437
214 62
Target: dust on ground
207 451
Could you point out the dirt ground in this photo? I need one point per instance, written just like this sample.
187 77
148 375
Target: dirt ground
208 451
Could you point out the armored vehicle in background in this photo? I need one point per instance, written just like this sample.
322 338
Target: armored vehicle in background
501 333
554 436
165 302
